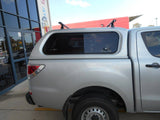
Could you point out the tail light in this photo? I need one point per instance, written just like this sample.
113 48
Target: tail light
33 70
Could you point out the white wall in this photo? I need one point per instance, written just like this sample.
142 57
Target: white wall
146 20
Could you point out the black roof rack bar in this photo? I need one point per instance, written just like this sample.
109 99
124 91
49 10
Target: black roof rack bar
63 25
111 23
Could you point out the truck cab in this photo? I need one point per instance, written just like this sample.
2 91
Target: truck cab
144 51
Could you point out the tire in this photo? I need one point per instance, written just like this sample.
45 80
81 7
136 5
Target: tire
95 108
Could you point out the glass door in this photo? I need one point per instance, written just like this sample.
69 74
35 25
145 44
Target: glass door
29 43
21 45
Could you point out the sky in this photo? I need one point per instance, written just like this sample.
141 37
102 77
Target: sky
73 11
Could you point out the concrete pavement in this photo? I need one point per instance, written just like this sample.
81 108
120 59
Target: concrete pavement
13 106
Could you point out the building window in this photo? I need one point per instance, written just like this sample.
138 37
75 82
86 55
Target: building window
36 36
33 10
22 8
82 43
0 5
21 69
9 6
6 76
35 26
2 41
24 23
28 43
152 42
17 45
11 21
1 24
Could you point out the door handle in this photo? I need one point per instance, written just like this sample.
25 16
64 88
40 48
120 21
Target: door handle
154 65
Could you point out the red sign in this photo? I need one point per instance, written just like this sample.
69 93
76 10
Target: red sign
122 22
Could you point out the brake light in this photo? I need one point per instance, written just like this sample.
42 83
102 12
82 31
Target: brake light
33 70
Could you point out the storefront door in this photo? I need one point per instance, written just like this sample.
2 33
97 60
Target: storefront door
21 45
6 74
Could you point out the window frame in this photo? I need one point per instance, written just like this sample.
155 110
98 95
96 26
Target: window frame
29 10
22 26
18 9
11 12
111 53
33 23
9 26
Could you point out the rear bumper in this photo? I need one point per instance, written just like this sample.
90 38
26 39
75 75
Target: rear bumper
29 99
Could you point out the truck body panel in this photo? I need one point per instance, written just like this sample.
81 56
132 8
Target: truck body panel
149 76
65 77
130 71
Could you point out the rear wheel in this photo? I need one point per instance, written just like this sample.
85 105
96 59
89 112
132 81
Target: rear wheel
95 108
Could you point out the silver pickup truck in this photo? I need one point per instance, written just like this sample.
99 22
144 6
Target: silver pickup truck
96 72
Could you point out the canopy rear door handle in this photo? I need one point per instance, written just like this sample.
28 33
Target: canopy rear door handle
154 65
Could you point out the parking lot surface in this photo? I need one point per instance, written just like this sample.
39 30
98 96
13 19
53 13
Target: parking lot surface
13 106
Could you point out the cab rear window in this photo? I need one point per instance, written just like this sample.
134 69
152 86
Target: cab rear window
82 43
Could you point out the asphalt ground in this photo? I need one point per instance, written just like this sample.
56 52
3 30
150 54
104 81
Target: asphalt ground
13 106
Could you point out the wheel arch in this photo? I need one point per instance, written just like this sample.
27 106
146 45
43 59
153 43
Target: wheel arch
98 90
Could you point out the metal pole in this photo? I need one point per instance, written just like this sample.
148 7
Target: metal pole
156 21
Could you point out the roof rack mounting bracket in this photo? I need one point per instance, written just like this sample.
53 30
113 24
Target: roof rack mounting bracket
111 23
63 25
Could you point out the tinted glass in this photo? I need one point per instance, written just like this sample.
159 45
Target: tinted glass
101 42
21 69
11 21
152 42
2 32
9 6
2 42
33 10
0 5
36 36
88 43
6 77
17 45
22 8
24 24
28 43
35 26
1 20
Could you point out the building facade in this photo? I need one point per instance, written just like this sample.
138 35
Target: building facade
122 22
22 23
